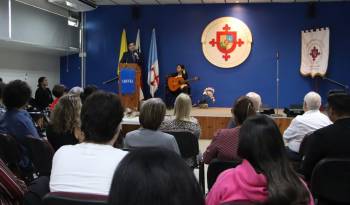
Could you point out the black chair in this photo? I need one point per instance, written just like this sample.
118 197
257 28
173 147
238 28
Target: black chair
216 167
40 153
330 182
10 153
66 198
189 149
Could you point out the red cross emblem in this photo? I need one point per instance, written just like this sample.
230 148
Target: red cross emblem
314 53
226 41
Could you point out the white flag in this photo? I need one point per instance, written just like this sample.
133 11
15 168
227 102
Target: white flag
153 67
138 48
314 52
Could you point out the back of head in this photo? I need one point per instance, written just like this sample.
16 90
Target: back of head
152 113
2 87
183 105
58 90
256 99
66 114
16 94
154 176
76 90
100 116
242 109
339 103
261 143
312 101
88 90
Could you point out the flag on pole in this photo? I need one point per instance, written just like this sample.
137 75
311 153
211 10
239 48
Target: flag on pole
123 46
138 48
153 67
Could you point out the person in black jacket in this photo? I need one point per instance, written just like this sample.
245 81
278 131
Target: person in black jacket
43 96
332 141
132 55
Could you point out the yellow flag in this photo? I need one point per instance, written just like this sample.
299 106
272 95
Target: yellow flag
123 46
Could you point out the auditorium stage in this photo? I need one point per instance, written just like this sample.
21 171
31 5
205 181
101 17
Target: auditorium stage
210 120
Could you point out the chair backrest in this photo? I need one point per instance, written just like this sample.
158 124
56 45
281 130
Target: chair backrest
303 144
10 152
40 153
216 167
187 142
66 198
331 180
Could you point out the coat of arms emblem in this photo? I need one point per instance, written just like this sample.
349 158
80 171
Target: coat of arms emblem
226 42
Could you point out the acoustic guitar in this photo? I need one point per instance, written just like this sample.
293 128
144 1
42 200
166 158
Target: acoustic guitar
175 83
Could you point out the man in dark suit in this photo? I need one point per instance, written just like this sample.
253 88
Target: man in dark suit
132 55
332 141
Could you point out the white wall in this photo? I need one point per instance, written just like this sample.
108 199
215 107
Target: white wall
29 66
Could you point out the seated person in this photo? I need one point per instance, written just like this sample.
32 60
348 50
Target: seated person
265 176
184 88
64 126
88 167
332 141
225 142
154 176
2 106
88 90
16 121
181 121
58 91
305 124
152 114
256 100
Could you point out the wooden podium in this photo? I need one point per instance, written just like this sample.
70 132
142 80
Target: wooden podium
131 100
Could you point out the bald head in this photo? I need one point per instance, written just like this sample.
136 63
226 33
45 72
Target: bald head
256 100
312 101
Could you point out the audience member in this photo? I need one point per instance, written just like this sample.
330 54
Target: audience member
265 175
225 142
17 121
12 189
256 100
2 106
64 126
88 90
332 141
88 167
305 124
43 96
181 121
58 91
151 116
76 91
154 176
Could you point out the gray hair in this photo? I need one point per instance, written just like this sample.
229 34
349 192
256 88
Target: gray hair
152 113
183 105
312 101
256 100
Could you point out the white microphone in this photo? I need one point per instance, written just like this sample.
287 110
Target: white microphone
136 55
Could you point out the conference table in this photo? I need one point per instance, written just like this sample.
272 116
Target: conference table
210 120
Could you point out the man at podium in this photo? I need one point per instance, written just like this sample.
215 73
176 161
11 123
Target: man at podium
132 55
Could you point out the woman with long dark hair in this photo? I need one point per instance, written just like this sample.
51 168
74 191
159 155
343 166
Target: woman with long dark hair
265 176
154 176
43 95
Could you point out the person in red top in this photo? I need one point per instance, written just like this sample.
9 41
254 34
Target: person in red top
58 91
11 188
225 142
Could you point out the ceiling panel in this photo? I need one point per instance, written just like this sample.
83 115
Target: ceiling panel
169 1
191 1
105 2
259 1
283 1
123 2
214 1
236 1
146 2
306 0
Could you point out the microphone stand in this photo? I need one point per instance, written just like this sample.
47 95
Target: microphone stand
346 87
277 84
111 80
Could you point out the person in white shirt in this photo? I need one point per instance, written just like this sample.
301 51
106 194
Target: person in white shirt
305 124
89 167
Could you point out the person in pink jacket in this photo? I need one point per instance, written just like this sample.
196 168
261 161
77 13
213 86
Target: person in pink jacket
265 176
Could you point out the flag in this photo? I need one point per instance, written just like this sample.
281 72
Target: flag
138 48
314 52
153 67
123 46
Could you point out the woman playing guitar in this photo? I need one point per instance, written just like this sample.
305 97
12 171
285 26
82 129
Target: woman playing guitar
181 73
